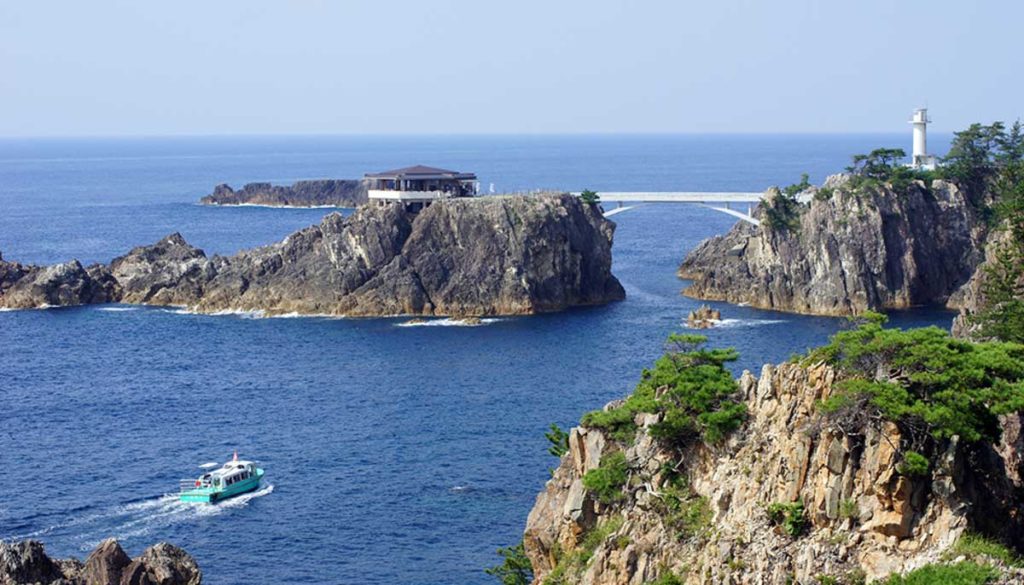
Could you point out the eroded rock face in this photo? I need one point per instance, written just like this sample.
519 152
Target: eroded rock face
59 285
26 563
970 298
850 253
318 193
462 257
862 514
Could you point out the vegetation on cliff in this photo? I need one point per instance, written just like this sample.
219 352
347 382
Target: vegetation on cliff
690 387
933 386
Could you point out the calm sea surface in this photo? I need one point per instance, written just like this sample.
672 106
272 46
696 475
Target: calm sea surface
393 454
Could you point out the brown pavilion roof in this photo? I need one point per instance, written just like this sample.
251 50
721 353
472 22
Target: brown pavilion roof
421 172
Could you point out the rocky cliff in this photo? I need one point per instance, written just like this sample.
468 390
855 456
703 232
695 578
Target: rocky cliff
971 299
318 193
463 257
26 563
849 251
854 514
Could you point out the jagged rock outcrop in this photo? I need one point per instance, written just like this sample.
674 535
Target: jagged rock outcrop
704 317
850 252
26 563
28 286
317 193
863 516
462 257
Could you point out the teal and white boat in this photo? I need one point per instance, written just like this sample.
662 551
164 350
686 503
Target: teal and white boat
232 479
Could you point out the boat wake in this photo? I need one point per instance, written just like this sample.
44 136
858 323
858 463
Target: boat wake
728 323
445 323
138 519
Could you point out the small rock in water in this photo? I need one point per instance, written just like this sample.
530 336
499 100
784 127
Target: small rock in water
703 318
162 564
469 321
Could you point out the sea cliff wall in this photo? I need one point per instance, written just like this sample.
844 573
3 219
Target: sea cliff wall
851 251
511 255
864 518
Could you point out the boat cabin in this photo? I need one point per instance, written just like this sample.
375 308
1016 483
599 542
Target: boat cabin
231 473
419 186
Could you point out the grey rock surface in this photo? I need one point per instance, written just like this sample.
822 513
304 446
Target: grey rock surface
850 252
511 255
316 193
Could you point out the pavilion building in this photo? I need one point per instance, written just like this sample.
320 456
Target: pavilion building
419 186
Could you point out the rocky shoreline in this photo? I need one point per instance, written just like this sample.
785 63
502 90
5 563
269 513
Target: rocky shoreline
314 193
513 255
26 563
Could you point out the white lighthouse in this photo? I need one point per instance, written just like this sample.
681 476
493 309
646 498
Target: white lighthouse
920 159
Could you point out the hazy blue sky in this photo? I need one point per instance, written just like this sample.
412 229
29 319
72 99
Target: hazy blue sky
226 67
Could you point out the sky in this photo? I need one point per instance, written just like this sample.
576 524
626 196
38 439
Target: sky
112 68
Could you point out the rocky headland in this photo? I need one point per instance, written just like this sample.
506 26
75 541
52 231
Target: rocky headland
513 255
797 494
315 193
846 251
26 563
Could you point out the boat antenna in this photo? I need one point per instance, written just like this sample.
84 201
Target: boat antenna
236 455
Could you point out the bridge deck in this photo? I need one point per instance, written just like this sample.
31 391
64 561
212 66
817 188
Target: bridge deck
681 197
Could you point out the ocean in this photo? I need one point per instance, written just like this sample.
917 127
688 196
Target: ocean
394 453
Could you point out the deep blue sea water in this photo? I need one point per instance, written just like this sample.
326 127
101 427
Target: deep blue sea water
393 454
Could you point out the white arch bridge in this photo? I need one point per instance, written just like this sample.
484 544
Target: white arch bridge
719 201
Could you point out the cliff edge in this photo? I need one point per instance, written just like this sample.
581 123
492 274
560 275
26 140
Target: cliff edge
26 563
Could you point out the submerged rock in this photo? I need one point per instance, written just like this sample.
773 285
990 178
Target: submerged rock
704 317
850 252
317 193
26 563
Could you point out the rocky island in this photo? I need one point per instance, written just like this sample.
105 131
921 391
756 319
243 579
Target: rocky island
880 236
315 193
513 255
26 563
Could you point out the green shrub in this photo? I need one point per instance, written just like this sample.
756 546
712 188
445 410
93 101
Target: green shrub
931 382
574 563
515 568
913 465
781 212
692 390
978 547
590 197
848 509
789 516
558 439
964 573
667 578
607 480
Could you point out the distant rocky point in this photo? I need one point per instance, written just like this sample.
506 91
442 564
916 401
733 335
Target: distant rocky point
473 257
26 563
317 193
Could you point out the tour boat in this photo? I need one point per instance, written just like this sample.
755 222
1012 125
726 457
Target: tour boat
233 478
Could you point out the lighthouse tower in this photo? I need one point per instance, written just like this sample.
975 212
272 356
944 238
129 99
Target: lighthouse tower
920 159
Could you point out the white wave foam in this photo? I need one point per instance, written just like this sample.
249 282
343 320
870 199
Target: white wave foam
747 322
117 309
447 322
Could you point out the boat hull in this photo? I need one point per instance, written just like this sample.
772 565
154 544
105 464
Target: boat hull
212 495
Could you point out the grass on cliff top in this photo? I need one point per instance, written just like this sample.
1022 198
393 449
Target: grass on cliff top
930 384
963 573
979 548
692 390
